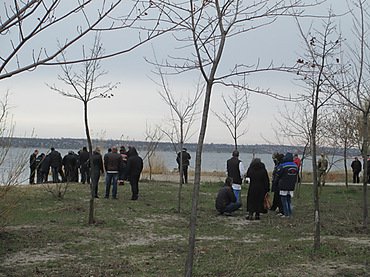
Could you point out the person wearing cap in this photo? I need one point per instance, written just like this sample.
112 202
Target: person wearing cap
185 157
235 170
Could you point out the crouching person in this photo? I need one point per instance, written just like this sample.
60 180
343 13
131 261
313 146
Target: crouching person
226 201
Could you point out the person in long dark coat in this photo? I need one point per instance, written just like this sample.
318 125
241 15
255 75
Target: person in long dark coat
70 164
133 171
259 185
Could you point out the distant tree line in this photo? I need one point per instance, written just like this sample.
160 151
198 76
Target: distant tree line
77 143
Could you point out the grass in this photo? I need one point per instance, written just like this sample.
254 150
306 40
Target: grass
49 237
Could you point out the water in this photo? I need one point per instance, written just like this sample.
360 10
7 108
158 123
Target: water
211 161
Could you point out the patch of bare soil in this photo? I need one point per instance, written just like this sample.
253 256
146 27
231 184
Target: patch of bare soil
35 255
326 269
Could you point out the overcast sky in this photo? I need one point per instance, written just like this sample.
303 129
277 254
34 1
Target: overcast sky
136 103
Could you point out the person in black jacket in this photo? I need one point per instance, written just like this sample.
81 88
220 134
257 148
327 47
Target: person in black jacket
226 201
84 165
185 157
276 202
96 168
70 163
56 165
356 169
39 176
259 185
33 166
133 171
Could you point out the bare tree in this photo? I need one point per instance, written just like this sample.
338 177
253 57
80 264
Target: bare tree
85 86
152 136
183 112
209 26
354 86
12 165
342 131
318 64
27 26
237 107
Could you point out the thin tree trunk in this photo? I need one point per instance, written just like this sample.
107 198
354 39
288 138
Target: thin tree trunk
196 188
316 245
92 186
181 170
365 153
345 162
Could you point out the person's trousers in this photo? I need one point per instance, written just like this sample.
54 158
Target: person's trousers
287 205
32 175
134 182
111 179
232 207
356 177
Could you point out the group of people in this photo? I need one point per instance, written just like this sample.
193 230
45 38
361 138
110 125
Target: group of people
284 178
118 166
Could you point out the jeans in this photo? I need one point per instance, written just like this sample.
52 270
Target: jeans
287 206
237 194
111 179
233 206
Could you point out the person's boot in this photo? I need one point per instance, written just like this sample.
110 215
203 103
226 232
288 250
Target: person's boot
249 216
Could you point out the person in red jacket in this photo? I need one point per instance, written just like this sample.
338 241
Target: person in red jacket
298 162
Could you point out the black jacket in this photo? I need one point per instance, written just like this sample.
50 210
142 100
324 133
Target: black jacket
233 171
134 164
224 197
55 159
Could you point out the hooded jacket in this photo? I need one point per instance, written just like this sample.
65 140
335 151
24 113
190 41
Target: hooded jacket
287 173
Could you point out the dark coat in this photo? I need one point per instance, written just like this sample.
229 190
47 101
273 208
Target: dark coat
185 158
112 162
55 159
45 164
134 164
233 171
97 163
83 157
356 166
224 197
33 164
259 185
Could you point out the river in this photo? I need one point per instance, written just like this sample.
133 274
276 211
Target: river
211 161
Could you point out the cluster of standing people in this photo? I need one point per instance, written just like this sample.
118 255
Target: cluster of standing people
284 179
118 167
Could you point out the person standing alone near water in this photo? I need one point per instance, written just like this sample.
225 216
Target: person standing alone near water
33 166
356 169
185 157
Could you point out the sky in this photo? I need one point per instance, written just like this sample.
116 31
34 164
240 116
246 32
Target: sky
40 112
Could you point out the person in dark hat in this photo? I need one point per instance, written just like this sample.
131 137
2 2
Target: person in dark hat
183 160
